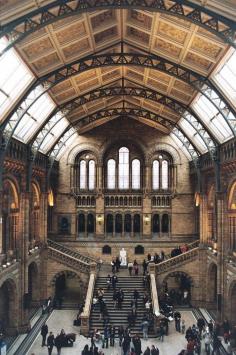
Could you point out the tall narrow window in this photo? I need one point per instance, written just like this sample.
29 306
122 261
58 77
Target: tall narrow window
136 174
82 171
155 175
91 175
111 174
164 175
123 168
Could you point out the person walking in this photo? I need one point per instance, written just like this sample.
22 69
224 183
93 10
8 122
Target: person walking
144 326
135 268
50 343
58 343
121 334
114 281
44 332
154 350
130 268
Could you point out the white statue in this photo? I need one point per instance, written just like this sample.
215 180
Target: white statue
123 258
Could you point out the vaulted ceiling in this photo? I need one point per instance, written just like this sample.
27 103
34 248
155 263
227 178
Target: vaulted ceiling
165 39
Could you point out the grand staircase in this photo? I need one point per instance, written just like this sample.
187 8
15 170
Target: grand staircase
119 317
69 257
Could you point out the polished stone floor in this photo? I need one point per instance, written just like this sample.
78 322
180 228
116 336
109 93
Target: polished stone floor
172 344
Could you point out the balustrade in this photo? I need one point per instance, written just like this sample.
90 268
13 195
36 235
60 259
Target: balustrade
85 316
69 257
176 260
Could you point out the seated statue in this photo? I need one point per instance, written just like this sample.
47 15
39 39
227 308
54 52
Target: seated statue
123 258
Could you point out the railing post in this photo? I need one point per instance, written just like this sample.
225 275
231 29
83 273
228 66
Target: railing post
154 295
84 330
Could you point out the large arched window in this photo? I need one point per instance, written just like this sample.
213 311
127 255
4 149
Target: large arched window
111 174
155 175
123 168
91 175
164 175
82 180
135 174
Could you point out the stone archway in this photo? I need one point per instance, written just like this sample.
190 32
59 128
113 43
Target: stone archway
69 290
178 284
211 296
33 285
9 309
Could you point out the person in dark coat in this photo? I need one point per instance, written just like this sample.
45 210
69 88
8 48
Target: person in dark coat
58 343
126 344
121 334
86 350
147 351
44 332
177 317
137 345
50 343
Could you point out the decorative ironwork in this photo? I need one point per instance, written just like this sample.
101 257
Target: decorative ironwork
27 24
157 63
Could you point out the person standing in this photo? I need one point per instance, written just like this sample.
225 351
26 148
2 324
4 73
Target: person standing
50 343
135 268
114 281
44 332
121 334
177 317
145 265
137 345
130 268
154 350
112 336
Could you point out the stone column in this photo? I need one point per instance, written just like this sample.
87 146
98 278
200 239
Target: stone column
24 222
220 252
203 220
43 217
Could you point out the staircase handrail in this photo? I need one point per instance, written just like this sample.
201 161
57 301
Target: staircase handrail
69 260
190 247
166 264
63 248
85 316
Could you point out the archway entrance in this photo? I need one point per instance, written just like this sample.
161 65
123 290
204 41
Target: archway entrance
33 286
68 290
8 308
177 286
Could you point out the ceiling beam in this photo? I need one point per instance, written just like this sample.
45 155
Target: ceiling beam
20 28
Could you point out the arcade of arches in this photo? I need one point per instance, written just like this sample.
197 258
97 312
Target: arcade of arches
104 145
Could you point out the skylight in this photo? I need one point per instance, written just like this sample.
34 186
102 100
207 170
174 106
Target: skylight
225 77
212 118
34 117
15 77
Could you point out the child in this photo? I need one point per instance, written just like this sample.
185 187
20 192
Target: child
183 326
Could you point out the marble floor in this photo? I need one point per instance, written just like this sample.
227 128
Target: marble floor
59 319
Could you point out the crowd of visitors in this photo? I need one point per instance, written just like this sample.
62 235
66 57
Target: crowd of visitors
60 340
209 336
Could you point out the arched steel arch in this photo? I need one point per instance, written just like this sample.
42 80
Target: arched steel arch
142 92
20 28
197 81
210 145
66 135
